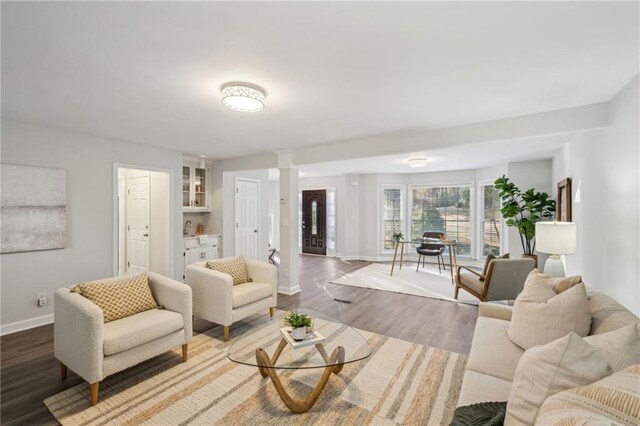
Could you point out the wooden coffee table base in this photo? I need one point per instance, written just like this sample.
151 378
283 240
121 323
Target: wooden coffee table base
335 362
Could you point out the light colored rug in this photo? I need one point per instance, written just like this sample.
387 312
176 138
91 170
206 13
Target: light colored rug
425 282
399 383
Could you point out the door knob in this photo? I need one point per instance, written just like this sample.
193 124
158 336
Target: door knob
145 235
255 230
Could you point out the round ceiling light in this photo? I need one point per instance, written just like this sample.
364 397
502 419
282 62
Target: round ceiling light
242 97
417 162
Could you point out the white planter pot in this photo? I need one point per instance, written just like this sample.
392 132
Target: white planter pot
299 333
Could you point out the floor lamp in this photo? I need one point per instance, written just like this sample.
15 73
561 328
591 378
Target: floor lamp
555 239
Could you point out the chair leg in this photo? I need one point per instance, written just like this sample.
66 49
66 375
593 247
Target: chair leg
444 265
94 393
63 371
185 353
439 270
271 311
226 333
424 259
418 265
455 294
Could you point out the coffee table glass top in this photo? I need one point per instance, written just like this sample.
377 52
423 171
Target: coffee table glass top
325 353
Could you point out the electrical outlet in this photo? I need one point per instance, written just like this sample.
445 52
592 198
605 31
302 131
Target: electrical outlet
41 299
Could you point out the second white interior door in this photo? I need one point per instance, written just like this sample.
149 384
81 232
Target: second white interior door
138 224
247 196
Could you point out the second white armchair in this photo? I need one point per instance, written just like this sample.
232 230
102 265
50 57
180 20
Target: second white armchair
216 299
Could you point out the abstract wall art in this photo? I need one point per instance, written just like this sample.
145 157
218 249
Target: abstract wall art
33 201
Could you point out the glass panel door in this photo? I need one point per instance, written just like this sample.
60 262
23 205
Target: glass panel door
200 190
186 186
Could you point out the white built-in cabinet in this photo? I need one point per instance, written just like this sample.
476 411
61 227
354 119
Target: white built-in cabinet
196 250
195 184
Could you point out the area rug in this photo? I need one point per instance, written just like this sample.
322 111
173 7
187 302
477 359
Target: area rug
425 282
399 383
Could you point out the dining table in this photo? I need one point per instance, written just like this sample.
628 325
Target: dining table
450 244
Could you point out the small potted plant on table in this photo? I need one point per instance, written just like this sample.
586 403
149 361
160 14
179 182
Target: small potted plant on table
299 324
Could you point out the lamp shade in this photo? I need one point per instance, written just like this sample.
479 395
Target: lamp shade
556 237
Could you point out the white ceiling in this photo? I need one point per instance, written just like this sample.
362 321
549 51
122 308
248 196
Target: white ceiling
462 157
151 72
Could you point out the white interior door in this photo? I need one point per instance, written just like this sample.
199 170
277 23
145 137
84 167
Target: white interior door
247 195
138 224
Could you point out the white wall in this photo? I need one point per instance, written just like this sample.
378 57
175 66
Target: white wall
604 166
89 164
228 210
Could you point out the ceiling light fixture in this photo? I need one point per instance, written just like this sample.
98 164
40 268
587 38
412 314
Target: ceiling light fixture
417 162
243 97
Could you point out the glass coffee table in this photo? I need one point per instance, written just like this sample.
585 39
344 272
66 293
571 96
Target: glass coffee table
329 346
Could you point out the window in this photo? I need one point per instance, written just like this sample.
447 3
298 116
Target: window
392 214
444 209
331 219
491 227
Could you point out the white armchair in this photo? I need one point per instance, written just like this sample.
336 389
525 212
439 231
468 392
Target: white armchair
216 299
94 350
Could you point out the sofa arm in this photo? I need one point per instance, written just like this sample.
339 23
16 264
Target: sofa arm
174 296
264 273
491 310
212 293
78 334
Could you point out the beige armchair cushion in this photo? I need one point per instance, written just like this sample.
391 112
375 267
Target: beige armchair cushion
234 266
135 330
621 347
614 399
250 292
548 369
119 297
541 316
471 280
558 284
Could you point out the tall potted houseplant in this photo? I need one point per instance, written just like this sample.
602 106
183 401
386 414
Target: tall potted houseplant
522 209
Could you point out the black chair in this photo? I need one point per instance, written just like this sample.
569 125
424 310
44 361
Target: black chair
431 249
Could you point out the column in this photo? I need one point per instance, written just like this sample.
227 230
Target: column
289 269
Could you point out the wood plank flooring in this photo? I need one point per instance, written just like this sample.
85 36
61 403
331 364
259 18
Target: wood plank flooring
29 372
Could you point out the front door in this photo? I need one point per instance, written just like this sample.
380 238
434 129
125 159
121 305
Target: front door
314 224
247 196
137 224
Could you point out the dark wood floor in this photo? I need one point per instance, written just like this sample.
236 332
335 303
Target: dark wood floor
30 373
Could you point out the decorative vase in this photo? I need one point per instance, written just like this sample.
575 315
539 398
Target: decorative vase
532 256
299 333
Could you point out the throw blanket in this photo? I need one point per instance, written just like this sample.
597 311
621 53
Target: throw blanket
482 414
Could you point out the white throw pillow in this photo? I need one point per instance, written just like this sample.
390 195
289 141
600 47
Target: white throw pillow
540 315
621 347
545 370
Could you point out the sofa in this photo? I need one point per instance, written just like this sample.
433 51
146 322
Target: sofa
93 349
217 299
493 357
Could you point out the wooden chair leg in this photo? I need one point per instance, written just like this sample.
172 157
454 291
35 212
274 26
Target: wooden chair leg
185 353
455 294
271 312
94 393
226 333
63 371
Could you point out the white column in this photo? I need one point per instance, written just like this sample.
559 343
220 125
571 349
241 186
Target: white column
288 270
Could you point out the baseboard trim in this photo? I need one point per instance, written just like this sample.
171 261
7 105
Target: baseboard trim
14 327
290 291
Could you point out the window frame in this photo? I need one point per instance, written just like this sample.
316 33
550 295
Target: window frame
480 212
472 210
403 213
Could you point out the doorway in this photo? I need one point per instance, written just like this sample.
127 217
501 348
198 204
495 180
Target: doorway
314 222
247 195
143 221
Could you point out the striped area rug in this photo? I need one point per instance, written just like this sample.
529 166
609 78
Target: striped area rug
399 383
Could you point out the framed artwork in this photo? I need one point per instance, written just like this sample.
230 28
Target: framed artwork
563 201
33 209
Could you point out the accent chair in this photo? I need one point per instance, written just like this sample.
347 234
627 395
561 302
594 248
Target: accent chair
431 249
504 279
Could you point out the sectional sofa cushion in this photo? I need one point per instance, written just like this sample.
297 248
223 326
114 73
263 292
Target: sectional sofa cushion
234 266
612 400
545 370
621 347
541 316
558 284
607 314
119 297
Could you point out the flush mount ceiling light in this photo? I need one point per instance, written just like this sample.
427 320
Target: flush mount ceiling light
417 162
243 97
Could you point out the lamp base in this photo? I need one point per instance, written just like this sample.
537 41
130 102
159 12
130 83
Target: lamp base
554 266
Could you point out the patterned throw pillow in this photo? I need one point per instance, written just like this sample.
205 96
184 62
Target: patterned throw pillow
557 284
234 266
612 400
119 297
